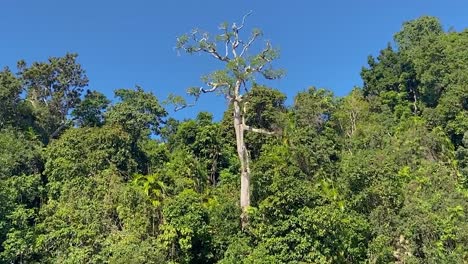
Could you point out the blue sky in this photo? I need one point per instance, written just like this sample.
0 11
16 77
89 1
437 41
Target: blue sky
124 43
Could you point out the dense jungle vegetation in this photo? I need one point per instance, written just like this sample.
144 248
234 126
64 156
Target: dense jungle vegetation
377 176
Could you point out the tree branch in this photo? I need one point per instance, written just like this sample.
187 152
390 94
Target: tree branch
259 130
214 87
227 47
215 54
249 43
234 45
180 107
56 133
211 49
262 55
202 43
235 30
228 40
249 128
243 19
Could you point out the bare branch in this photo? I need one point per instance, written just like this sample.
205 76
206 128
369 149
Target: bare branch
235 30
228 40
259 130
234 45
227 47
192 49
249 43
179 104
263 56
249 128
180 107
201 42
210 48
214 87
243 19
194 34
203 90
265 51
215 54
57 132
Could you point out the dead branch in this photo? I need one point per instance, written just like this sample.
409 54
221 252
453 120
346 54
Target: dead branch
180 107
235 30
214 87
243 19
249 43
259 130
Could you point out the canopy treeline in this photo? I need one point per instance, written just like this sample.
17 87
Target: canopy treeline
377 176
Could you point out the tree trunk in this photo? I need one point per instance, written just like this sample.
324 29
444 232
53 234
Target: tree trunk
244 162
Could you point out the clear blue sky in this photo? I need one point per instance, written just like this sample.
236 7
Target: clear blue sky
123 43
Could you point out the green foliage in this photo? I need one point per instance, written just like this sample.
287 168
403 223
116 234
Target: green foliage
153 187
185 233
391 81
11 106
19 154
94 219
83 152
138 112
433 219
265 108
53 88
20 196
89 112
427 75
462 157
309 135
416 31
377 176
20 193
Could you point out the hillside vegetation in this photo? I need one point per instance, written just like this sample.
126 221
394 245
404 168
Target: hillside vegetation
377 176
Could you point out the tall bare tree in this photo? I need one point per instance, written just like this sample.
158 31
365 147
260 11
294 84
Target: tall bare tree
233 81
